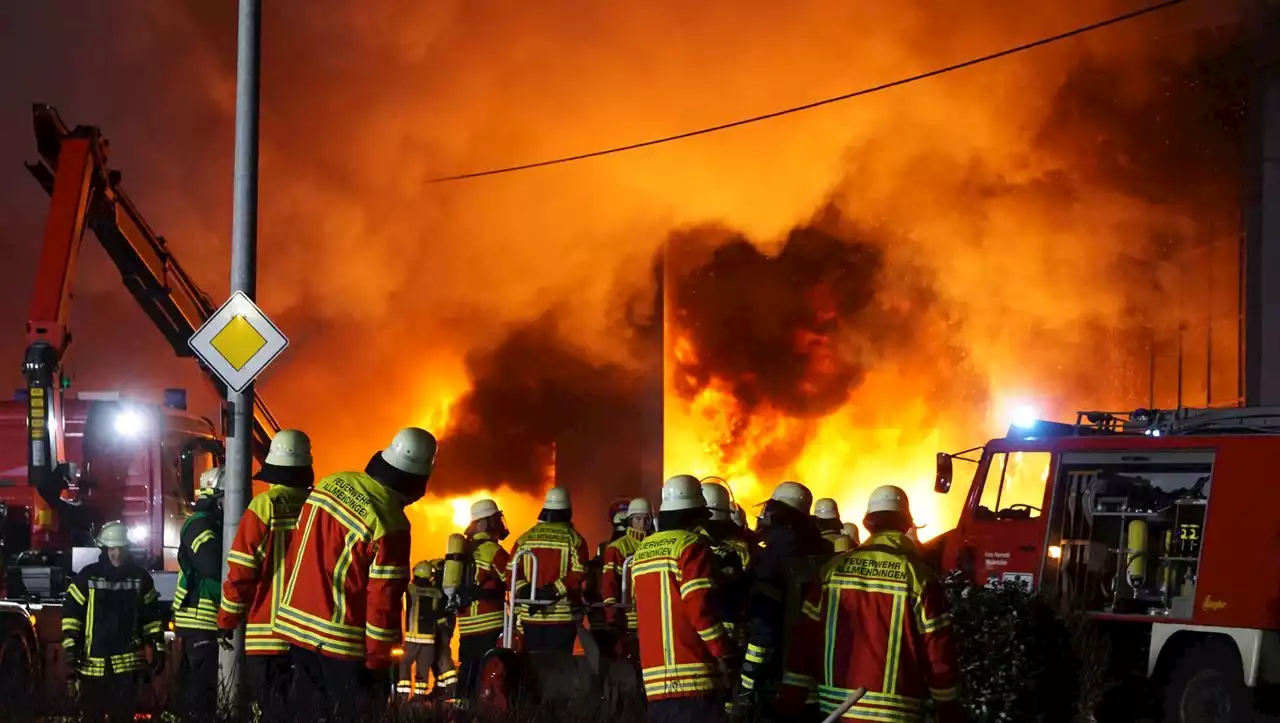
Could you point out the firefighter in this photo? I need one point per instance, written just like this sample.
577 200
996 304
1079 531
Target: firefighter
792 549
484 588
851 532
111 614
592 587
427 631
196 598
685 652
877 620
733 554
826 515
622 624
254 569
345 575
561 553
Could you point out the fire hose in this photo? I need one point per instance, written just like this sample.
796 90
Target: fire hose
848 703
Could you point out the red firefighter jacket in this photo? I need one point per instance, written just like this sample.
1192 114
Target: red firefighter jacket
254 581
561 552
877 620
611 577
482 611
681 633
346 571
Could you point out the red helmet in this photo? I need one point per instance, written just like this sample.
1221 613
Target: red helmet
618 510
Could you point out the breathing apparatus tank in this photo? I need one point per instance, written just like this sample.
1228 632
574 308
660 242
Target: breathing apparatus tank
455 552
1136 553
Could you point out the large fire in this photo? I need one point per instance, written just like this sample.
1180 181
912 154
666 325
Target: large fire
844 292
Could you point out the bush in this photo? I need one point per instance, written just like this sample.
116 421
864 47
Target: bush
1021 661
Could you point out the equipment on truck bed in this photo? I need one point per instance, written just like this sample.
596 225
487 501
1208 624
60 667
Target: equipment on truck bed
1163 524
71 461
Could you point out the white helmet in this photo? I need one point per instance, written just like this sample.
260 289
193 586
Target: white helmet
557 499
738 515
794 495
113 534
851 532
682 492
826 509
413 451
210 483
290 448
639 506
481 509
889 499
716 496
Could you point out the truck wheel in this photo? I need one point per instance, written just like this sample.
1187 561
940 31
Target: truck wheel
16 673
1207 686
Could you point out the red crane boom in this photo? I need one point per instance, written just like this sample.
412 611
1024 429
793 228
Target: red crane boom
86 193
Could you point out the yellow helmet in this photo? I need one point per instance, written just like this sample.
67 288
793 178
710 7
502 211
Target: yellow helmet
422 569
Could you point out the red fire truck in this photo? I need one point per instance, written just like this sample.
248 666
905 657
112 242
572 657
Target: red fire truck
1111 515
70 461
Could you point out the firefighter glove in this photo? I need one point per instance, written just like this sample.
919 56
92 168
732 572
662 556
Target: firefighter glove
549 592
224 639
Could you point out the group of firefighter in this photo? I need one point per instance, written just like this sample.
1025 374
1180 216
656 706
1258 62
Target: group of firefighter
790 620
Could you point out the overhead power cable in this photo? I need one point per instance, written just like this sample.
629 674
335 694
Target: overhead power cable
1116 20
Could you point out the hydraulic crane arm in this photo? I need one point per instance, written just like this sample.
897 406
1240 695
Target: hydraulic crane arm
73 170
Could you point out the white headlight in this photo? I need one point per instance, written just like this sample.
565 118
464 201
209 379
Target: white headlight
138 534
129 423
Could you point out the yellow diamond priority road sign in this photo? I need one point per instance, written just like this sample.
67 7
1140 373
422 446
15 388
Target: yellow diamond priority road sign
238 342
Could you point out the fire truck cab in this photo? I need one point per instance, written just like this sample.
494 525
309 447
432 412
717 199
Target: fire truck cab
1164 524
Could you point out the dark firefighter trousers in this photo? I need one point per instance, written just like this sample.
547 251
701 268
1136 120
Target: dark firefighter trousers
471 652
269 678
420 661
111 696
198 690
686 710
550 636
331 688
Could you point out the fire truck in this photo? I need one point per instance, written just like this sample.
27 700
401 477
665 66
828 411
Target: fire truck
71 461
1109 516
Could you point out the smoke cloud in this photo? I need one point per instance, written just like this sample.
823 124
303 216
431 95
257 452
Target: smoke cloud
862 282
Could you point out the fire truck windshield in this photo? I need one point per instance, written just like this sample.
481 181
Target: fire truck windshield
1013 485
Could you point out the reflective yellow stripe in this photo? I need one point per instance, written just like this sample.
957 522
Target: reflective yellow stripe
389 572
696 584
200 539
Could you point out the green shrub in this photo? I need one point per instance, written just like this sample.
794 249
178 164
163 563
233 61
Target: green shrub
1019 660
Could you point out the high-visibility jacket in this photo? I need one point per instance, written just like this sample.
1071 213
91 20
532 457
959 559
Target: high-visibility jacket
840 541
109 614
783 573
877 620
560 552
347 570
485 586
733 555
424 607
195 601
615 555
680 630
251 593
